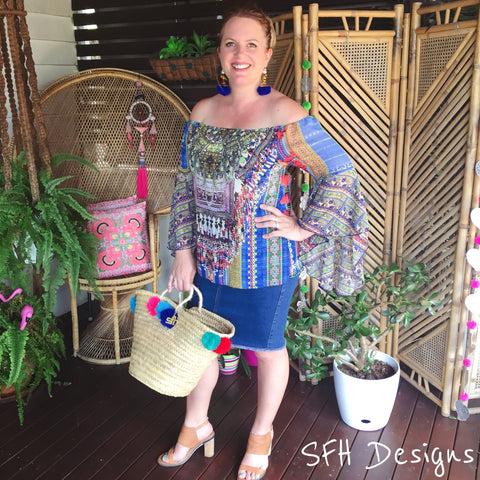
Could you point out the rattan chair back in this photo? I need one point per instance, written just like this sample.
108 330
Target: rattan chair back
85 114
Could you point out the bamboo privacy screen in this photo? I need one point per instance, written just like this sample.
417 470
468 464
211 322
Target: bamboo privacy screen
439 190
403 101
355 87
282 64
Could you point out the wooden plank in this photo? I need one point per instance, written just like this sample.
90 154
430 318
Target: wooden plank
393 434
467 449
416 441
145 463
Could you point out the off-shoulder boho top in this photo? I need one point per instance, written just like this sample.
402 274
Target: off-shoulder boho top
225 174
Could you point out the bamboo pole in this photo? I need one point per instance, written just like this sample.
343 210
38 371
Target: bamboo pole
313 46
298 41
393 162
410 87
472 182
463 228
446 6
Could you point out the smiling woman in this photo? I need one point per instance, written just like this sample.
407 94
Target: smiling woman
234 233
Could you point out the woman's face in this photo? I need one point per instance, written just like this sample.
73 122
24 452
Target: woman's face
243 51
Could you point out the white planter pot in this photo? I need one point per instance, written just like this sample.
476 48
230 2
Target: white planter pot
366 404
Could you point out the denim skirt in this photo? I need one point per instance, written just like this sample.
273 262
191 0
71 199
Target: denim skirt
258 314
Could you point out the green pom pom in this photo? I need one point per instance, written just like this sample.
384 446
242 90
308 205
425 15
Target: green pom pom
307 105
304 289
306 64
305 187
210 340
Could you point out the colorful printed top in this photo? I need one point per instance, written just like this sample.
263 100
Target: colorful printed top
225 174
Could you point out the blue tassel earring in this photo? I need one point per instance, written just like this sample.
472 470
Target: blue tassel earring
223 88
264 89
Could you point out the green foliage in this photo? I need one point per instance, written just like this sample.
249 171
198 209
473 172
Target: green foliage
40 243
198 46
395 293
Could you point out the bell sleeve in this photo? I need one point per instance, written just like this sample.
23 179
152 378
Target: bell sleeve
181 234
336 212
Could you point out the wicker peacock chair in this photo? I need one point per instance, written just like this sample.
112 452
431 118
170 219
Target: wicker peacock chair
85 114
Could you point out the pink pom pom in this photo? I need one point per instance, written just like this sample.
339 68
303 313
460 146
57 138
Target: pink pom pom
475 283
472 324
463 397
152 305
477 240
467 362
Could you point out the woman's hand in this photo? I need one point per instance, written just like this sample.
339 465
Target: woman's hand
183 271
282 225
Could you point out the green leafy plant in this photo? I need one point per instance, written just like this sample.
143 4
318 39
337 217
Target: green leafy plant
40 244
198 46
201 45
395 293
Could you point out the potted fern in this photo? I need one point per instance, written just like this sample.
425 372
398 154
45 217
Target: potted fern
398 295
186 58
40 243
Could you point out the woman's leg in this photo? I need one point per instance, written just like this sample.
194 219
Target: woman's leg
198 402
273 372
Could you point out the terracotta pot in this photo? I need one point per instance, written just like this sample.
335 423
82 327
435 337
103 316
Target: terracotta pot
202 68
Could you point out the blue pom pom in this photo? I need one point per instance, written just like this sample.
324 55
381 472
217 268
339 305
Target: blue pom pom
133 304
168 317
210 340
264 90
223 90
161 306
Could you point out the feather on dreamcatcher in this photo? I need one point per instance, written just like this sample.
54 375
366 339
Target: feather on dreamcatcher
141 116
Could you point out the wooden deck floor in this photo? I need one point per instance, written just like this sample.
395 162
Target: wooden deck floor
106 425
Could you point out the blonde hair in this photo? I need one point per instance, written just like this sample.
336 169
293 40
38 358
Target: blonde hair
253 11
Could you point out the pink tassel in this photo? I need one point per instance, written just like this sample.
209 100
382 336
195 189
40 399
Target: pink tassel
141 146
142 183
285 180
128 130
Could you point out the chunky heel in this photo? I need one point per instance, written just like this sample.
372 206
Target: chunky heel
209 448
188 438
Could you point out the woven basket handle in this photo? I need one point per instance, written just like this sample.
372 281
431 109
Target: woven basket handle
193 289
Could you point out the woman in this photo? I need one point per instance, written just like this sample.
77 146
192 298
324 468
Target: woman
234 234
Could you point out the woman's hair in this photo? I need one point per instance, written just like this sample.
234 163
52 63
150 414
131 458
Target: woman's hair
253 11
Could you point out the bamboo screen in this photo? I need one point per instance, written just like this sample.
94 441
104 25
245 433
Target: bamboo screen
404 103
438 187
281 68
355 86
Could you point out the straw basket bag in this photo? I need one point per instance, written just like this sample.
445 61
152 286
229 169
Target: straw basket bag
172 346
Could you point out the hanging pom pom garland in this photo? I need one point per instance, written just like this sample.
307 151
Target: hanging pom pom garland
140 114
472 303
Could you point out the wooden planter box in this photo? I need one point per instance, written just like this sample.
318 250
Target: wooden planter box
187 68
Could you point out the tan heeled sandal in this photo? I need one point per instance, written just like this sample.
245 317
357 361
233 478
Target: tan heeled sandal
188 438
256 445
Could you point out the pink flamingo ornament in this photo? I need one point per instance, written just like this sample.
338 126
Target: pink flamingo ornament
26 313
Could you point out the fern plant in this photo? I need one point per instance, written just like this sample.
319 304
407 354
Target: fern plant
40 244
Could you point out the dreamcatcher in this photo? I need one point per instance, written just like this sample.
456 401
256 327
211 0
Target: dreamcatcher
140 114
